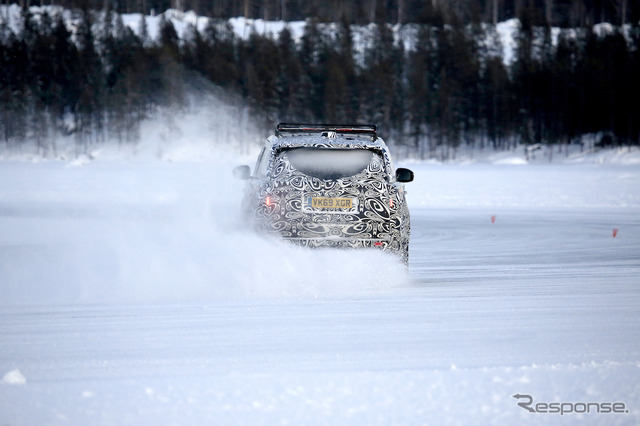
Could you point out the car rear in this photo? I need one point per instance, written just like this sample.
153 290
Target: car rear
331 196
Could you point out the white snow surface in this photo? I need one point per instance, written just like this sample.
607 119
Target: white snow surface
130 293
13 377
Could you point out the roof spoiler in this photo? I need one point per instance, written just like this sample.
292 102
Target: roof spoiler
353 129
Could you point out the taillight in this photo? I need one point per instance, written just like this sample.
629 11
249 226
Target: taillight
271 200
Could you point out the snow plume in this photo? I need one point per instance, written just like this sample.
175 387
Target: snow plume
203 122
207 123
142 231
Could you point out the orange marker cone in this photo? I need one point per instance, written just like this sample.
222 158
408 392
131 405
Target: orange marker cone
615 232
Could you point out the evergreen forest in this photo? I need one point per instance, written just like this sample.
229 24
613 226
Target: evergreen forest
430 74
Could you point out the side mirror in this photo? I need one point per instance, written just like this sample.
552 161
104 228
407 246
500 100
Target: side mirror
404 175
242 172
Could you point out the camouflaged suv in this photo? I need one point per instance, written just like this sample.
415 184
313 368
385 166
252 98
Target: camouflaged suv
329 186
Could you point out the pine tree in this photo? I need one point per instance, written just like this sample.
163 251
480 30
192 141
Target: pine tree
341 85
14 100
380 79
498 105
289 82
313 79
169 40
634 86
89 108
220 56
423 77
262 75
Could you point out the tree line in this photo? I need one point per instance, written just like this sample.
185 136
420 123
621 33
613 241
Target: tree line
452 87
563 13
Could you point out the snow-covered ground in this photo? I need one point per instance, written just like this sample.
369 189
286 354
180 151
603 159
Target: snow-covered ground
130 294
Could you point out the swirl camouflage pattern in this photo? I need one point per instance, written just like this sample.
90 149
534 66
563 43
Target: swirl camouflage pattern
329 186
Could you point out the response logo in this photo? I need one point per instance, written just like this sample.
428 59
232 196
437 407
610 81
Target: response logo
526 402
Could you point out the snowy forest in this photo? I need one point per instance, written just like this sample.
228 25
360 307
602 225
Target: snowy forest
428 73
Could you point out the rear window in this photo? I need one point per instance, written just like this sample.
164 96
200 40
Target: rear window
332 163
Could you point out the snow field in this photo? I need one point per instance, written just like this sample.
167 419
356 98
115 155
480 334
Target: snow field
130 294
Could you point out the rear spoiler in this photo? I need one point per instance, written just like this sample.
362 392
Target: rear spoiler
352 129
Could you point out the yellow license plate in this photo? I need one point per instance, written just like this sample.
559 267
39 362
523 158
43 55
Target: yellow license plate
329 203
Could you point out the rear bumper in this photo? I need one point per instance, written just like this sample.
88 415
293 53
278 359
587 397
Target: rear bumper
345 231
389 246
332 242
